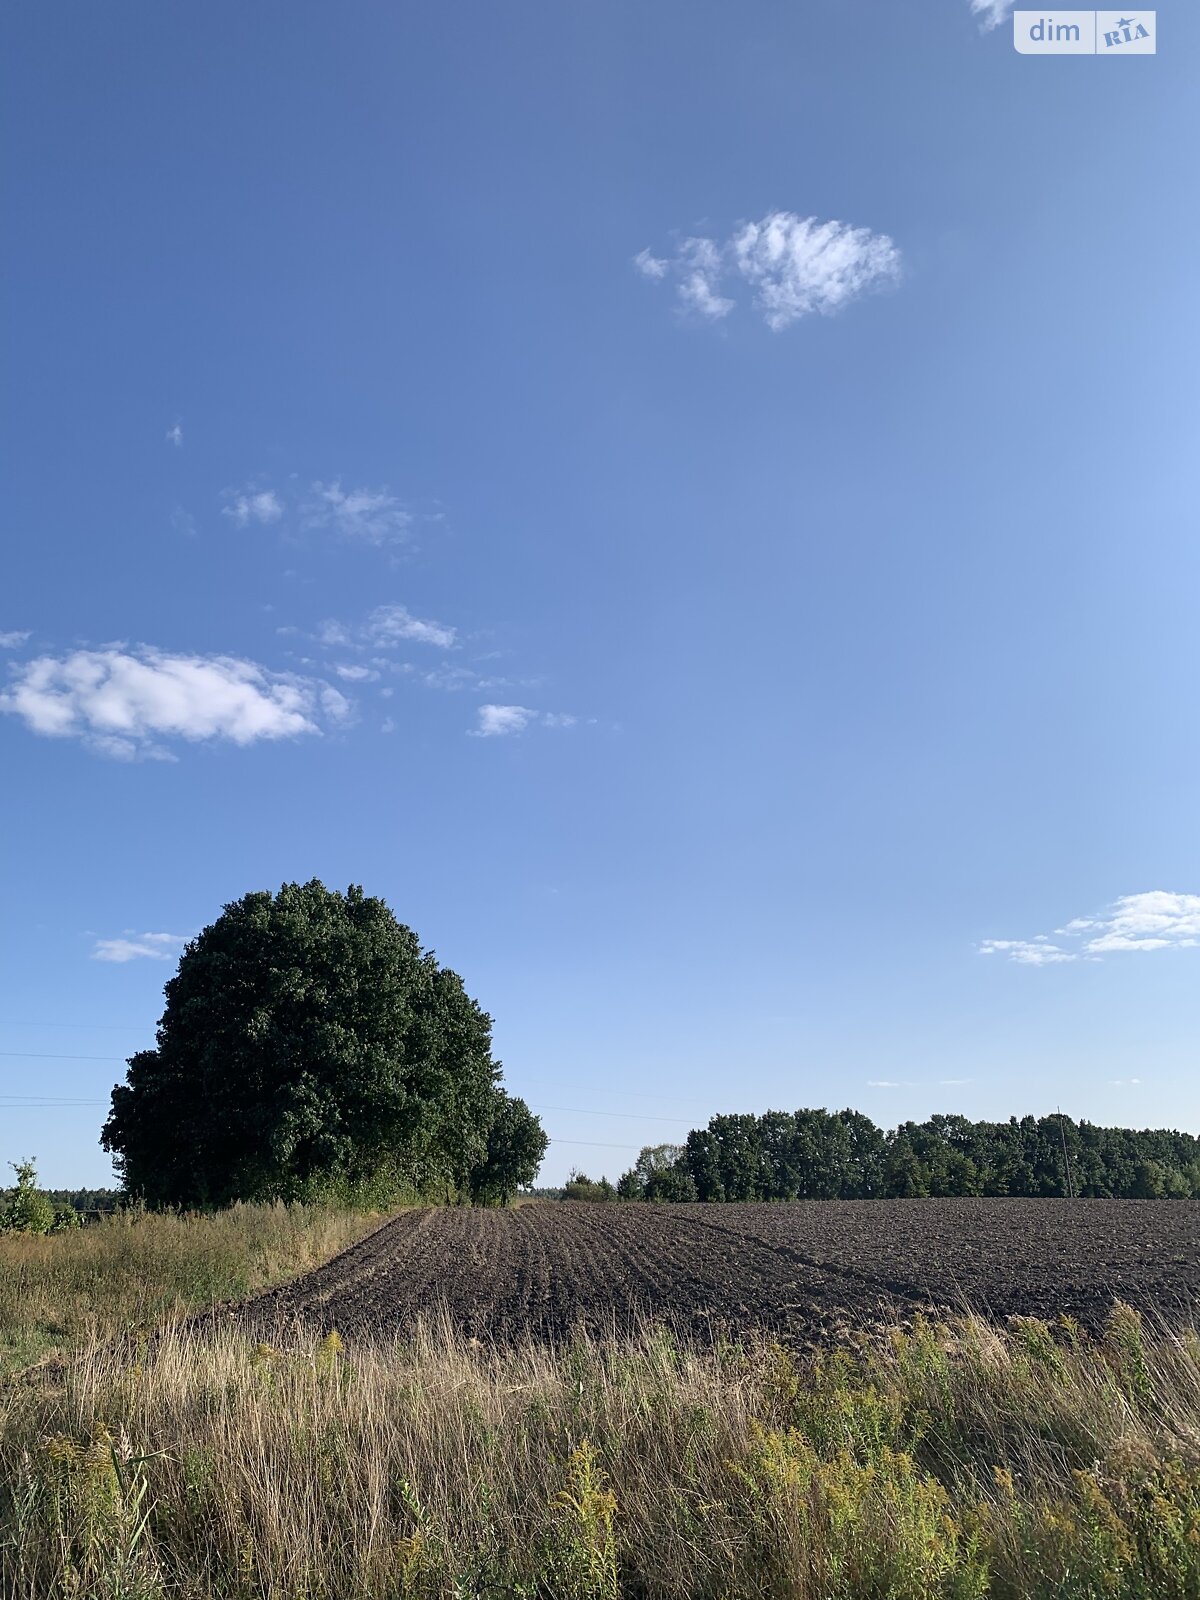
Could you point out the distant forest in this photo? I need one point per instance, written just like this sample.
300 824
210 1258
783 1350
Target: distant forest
843 1155
86 1201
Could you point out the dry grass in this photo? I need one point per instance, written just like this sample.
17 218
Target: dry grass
953 1462
135 1269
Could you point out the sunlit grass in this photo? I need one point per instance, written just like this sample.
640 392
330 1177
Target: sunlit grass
133 1269
955 1461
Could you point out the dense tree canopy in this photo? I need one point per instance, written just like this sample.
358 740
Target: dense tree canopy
658 1174
512 1152
310 1046
823 1155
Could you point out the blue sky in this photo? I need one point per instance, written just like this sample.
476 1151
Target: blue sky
693 504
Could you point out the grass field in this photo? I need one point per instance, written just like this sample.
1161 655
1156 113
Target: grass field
133 1270
961 1458
950 1461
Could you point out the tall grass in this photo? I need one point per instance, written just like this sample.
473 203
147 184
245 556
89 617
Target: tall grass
132 1269
950 1461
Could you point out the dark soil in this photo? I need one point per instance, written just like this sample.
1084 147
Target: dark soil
808 1272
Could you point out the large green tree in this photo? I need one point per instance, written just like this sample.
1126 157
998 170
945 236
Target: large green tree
308 1045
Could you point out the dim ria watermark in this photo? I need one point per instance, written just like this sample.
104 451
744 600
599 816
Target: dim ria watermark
1085 33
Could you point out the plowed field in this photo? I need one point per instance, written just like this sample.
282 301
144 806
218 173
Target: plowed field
807 1272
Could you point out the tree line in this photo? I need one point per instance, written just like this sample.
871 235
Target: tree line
843 1155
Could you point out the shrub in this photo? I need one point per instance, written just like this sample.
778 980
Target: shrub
26 1209
580 1187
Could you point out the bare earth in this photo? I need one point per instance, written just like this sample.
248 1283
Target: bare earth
808 1272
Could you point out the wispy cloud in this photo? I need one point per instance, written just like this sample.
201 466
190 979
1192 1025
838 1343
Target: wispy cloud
368 516
174 434
334 704
124 701
991 13
388 625
14 640
132 946
385 628
244 506
1157 919
701 266
1039 952
495 722
651 266
1125 1083
793 267
452 677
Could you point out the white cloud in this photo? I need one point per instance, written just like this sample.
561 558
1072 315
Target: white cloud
252 505
385 628
175 435
1109 942
13 640
882 1083
1029 952
991 13
794 267
121 701
451 678
335 705
1157 919
701 268
389 625
651 266
799 266
139 946
496 721
356 674
1154 920
1124 1083
372 516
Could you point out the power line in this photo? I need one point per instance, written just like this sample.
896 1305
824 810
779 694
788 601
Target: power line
99 1027
42 1105
575 1111
71 1100
39 1055
587 1111
55 1099
593 1144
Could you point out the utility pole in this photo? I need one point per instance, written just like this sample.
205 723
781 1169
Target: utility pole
1062 1133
